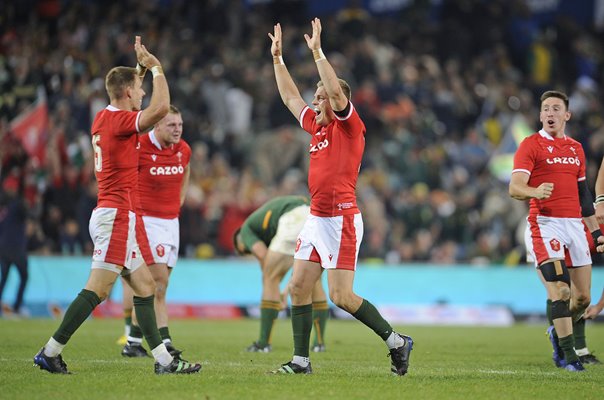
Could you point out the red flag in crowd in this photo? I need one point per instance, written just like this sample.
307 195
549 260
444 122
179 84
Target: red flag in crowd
31 127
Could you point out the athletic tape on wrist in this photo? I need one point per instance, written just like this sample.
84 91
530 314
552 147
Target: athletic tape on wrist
157 71
318 55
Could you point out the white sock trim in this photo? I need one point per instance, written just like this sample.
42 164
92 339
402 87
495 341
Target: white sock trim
161 355
395 340
136 340
301 361
53 348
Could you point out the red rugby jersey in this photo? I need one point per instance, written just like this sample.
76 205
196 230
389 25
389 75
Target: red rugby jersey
560 161
161 171
115 143
336 151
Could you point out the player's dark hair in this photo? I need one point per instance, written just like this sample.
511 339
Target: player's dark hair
554 93
343 84
118 79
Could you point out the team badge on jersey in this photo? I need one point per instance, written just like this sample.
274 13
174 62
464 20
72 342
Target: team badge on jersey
555 244
160 250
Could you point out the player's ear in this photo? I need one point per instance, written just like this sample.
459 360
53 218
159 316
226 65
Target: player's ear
567 116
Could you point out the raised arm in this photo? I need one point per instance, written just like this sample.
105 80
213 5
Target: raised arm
334 91
160 97
520 190
287 88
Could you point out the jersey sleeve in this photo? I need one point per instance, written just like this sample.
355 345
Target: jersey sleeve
351 123
524 160
125 123
307 120
248 236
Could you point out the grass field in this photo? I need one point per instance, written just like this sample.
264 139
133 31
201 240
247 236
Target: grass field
446 363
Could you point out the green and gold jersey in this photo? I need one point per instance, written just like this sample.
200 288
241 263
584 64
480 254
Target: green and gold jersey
262 224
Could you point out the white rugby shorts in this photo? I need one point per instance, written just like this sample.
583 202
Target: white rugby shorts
289 227
562 238
159 240
333 242
113 233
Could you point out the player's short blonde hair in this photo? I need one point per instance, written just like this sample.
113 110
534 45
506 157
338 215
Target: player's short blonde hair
343 84
118 79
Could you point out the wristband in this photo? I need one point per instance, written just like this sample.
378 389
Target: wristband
157 71
600 199
140 70
278 60
318 55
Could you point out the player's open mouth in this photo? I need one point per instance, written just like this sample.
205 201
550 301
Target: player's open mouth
317 111
551 122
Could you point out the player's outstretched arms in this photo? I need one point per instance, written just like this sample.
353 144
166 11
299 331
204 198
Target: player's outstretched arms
160 98
287 88
337 98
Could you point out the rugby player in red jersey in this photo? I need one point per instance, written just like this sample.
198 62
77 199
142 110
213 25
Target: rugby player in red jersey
163 177
332 234
549 170
112 224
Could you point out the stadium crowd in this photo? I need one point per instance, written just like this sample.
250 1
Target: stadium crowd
440 88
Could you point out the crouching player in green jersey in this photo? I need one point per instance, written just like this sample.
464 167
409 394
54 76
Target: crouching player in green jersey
270 234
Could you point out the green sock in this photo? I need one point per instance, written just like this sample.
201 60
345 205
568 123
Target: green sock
579 333
269 310
568 346
320 314
79 309
145 314
371 317
136 332
548 312
301 326
164 332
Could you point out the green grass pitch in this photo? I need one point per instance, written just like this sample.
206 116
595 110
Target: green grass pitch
446 363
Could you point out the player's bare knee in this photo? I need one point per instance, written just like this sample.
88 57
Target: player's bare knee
274 276
563 291
582 301
296 289
341 298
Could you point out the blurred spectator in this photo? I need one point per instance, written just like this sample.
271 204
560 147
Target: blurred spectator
440 85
